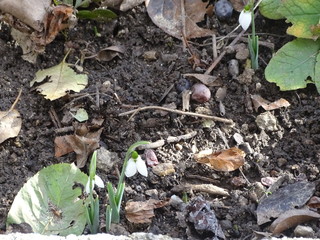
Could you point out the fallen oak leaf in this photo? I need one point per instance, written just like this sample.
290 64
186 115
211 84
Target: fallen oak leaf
259 101
142 212
292 218
10 122
225 160
168 15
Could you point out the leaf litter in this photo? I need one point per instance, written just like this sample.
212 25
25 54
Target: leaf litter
10 122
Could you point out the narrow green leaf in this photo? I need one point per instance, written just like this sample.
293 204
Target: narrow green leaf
112 200
295 65
108 218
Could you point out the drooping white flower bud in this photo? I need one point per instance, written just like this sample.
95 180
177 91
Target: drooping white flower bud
245 19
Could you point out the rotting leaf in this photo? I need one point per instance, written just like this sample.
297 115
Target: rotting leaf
142 212
167 15
239 5
314 202
107 54
204 218
10 122
61 78
206 79
287 198
225 160
292 218
259 101
83 143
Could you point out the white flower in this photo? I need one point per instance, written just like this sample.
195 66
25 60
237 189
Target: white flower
135 165
245 19
96 181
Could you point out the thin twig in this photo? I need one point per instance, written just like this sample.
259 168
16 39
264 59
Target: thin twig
15 101
214 64
214 47
214 118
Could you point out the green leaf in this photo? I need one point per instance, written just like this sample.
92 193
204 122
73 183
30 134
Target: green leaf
50 201
60 79
81 115
295 65
97 14
268 8
304 16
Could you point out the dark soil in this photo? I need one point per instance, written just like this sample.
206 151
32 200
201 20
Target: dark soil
293 149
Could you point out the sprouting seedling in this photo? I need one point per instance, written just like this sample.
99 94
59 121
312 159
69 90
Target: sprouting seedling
92 206
246 18
132 163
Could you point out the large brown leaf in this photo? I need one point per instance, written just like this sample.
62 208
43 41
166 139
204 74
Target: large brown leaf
168 15
226 160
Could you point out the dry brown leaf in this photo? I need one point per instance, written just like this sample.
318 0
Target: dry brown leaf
206 79
258 101
83 143
292 218
107 54
10 122
167 15
239 5
225 160
122 5
142 212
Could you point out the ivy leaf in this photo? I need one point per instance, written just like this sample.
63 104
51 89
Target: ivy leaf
304 16
59 79
295 65
268 8
50 202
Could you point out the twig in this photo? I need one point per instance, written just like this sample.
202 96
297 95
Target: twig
214 64
15 101
214 118
214 47
208 188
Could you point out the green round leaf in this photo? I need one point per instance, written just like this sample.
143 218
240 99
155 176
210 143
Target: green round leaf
50 202
268 8
294 65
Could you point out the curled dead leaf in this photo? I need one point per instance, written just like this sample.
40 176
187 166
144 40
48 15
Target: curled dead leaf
259 101
292 218
107 54
142 212
209 80
169 16
225 160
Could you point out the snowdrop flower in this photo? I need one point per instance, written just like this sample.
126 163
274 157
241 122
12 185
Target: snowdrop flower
245 19
96 181
136 164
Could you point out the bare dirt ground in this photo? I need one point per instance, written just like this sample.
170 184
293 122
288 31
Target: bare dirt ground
291 149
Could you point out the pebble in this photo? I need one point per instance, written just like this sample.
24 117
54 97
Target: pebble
152 193
303 231
238 138
106 159
223 9
233 68
150 55
163 169
246 148
200 93
183 84
281 162
177 203
178 146
267 121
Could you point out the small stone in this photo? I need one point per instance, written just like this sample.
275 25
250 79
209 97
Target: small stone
200 93
178 147
151 158
150 55
152 193
238 138
233 68
177 203
281 162
106 159
223 9
303 231
267 121
183 84
163 169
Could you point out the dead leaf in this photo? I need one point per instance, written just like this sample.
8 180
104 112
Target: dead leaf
122 5
61 79
107 54
225 160
258 101
209 80
292 218
221 94
314 202
142 212
83 142
287 198
167 15
10 122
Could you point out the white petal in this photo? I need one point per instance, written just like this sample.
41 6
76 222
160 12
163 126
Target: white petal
131 168
98 181
87 189
141 166
245 19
